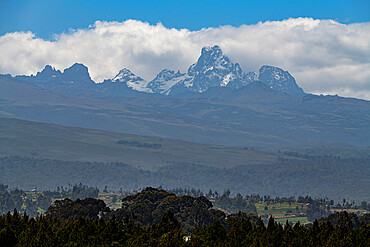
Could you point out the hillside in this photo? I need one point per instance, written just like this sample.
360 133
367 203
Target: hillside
253 116
50 155
215 102
49 141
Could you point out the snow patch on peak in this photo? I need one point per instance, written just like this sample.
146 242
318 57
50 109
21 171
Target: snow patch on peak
122 75
131 80
227 78
165 80
215 49
279 80
212 69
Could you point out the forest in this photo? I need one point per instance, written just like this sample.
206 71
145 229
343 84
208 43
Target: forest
302 208
156 217
319 176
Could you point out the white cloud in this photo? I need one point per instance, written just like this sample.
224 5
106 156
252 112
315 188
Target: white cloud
323 55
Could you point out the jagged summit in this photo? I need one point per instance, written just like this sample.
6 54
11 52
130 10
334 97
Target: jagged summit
166 79
131 80
279 80
122 74
212 69
77 73
210 59
48 72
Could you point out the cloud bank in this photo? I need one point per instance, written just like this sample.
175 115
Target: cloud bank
323 55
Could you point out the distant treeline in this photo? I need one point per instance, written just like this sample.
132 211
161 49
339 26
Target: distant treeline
22 200
157 218
315 207
36 202
323 177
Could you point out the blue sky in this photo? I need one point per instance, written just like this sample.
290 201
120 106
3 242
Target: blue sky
48 17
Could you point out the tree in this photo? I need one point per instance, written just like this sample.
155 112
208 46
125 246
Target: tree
89 207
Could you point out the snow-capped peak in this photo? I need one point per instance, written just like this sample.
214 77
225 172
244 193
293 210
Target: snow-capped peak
210 59
131 80
122 75
212 69
165 80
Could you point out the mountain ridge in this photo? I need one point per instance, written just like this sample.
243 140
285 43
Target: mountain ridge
212 69
253 115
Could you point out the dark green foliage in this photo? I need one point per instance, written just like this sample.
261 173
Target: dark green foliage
316 211
149 206
16 230
82 191
89 207
242 230
235 204
16 198
10 200
43 201
233 219
345 220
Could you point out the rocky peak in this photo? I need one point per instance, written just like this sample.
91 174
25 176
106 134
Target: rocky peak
165 74
211 59
251 77
124 75
279 80
165 80
212 69
48 73
131 80
77 73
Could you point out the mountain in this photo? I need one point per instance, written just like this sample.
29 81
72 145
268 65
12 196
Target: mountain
213 69
48 73
74 80
50 141
77 74
129 79
251 116
279 80
165 80
265 109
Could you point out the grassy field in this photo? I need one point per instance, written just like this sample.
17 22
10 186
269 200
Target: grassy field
283 211
40 140
279 208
